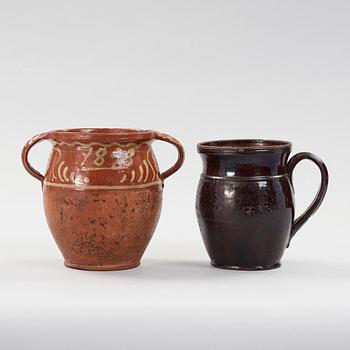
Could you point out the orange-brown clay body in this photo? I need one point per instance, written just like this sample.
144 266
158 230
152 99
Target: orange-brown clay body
102 194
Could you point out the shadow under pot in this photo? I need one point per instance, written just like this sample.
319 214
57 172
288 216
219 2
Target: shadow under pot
245 201
102 193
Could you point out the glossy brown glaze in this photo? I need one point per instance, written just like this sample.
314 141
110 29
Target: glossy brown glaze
102 194
245 201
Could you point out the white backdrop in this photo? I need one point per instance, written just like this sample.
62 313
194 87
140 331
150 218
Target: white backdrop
198 70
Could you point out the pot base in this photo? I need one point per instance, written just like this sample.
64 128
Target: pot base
243 268
101 267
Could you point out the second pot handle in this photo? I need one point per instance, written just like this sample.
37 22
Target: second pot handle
25 152
300 221
180 150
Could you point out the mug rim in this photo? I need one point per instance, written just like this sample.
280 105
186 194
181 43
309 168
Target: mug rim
102 134
243 145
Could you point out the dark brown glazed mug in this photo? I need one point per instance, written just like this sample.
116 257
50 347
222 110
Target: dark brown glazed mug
102 193
245 201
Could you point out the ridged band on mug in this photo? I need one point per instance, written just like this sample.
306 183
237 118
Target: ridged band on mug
244 178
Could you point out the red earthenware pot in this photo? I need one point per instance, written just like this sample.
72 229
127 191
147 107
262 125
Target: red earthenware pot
245 201
102 193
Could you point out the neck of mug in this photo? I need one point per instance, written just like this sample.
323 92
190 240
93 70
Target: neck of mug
245 164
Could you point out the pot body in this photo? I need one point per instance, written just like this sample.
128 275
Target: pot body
245 208
102 202
102 194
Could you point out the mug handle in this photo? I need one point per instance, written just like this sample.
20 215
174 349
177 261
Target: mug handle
35 139
180 150
300 221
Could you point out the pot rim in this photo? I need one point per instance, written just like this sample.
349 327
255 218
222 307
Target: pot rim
102 134
243 146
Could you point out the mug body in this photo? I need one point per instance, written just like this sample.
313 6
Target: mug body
102 196
245 205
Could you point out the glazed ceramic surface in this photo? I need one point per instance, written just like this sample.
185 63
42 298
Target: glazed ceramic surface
245 201
102 194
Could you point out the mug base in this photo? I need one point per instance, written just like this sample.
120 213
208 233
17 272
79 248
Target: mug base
101 267
245 268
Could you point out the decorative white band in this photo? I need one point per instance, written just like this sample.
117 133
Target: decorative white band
87 145
101 187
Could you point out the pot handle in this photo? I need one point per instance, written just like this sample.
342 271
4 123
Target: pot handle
180 150
300 221
25 152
